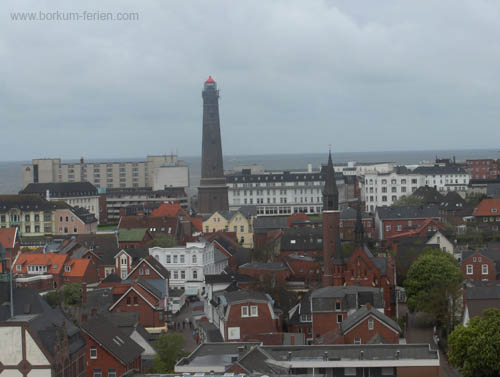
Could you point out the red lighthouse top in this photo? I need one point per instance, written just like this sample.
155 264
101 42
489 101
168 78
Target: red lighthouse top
210 80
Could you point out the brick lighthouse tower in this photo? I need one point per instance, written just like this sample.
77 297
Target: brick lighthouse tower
333 260
212 193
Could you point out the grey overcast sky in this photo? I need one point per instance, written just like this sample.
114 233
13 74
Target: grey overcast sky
294 76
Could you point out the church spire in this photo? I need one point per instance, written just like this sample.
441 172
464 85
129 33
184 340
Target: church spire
359 230
330 190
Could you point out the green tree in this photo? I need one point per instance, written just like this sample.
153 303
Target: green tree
170 350
72 294
475 348
433 285
52 298
411 201
163 240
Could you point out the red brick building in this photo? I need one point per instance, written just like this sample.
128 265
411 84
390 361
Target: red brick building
487 214
481 265
348 223
146 300
304 268
40 271
275 272
150 269
389 221
483 168
80 270
243 315
109 351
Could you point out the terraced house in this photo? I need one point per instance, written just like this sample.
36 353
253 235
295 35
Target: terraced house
239 222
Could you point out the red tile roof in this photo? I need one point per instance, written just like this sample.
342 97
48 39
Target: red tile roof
174 210
54 262
8 237
78 267
487 207
416 232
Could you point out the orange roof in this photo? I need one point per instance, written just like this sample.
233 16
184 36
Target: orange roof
488 207
8 237
415 231
78 267
172 210
54 262
296 216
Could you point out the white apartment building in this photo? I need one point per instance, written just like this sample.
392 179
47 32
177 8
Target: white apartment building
112 174
383 189
283 193
189 264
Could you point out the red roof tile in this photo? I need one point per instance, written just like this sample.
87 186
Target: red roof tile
8 237
54 262
487 207
78 267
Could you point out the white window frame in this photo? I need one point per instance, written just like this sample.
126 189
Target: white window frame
19 267
252 309
244 312
93 353
371 324
484 270
469 269
357 340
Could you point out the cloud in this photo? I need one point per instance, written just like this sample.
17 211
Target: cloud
294 76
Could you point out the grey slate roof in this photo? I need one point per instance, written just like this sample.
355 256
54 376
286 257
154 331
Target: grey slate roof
437 170
363 313
352 297
407 212
273 266
112 339
349 213
212 333
61 189
227 278
266 223
244 296
483 290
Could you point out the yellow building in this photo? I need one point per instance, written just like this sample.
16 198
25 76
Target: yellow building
239 222
31 214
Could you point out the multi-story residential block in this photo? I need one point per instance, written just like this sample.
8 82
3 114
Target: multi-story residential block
287 192
76 194
239 222
112 174
31 214
188 264
483 168
383 189
70 220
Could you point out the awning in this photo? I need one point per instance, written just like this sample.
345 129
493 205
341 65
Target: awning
191 291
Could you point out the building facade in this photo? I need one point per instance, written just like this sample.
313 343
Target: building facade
116 174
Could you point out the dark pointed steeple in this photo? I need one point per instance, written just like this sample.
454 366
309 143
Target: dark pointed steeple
359 230
330 190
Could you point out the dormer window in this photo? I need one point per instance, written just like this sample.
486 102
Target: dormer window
493 210
67 268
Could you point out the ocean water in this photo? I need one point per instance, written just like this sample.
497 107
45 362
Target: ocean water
11 181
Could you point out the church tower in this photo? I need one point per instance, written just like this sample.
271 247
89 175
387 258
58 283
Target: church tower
333 260
212 193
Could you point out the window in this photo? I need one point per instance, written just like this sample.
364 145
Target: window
387 228
254 311
469 269
97 373
111 372
339 318
93 353
136 301
384 198
337 305
183 274
27 229
370 324
484 269
194 259
175 259
27 218
128 301
141 271
195 274
244 311
357 340
387 371
147 271
176 275
67 268
242 229
168 259
18 267
124 261
399 228
349 371
181 258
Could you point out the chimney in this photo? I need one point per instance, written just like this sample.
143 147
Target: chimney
397 355
368 306
289 356
325 356
361 356
84 293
